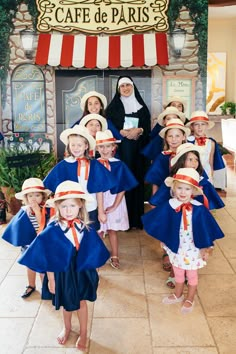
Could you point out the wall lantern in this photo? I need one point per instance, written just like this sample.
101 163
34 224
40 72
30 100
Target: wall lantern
27 39
178 38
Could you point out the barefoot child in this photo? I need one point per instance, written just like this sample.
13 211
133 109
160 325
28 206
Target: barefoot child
28 222
114 214
69 251
187 230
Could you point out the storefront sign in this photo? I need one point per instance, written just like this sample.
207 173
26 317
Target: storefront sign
102 16
183 87
28 99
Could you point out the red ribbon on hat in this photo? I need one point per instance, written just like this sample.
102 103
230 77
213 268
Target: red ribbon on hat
184 207
105 163
71 225
199 118
34 187
62 194
201 140
105 140
79 160
187 179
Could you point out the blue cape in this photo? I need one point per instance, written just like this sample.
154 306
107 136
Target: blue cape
158 170
20 231
164 223
214 200
218 162
99 180
51 251
153 148
124 178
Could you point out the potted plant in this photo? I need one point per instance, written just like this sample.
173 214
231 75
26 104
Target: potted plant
17 163
228 108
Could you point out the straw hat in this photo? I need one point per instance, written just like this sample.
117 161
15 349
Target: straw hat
95 116
183 149
170 110
78 130
186 175
68 190
176 99
105 137
174 123
32 185
200 116
92 94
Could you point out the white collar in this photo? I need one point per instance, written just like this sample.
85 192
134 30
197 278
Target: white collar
175 203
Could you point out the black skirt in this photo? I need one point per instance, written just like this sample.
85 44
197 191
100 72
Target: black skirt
72 286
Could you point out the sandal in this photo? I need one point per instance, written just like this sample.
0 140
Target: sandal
114 262
171 282
166 265
174 300
185 309
28 293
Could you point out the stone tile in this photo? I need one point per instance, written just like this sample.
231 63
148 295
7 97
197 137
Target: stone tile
232 262
170 328
121 296
120 336
228 225
18 269
14 334
217 262
62 350
46 335
129 265
228 245
155 278
8 251
11 303
217 294
185 350
223 330
5 268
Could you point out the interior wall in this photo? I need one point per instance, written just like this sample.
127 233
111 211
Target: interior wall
222 38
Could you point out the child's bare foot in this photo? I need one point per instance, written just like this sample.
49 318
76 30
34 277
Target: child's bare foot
81 343
63 336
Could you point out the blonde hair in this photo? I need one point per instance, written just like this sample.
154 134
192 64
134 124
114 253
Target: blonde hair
82 215
68 151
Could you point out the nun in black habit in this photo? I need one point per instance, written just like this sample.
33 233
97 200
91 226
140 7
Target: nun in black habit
130 115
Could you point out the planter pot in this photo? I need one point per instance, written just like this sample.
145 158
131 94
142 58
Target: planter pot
14 204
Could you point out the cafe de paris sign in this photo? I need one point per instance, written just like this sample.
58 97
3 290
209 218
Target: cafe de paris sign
102 16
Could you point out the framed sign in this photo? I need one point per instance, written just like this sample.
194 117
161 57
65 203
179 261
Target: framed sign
28 99
183 87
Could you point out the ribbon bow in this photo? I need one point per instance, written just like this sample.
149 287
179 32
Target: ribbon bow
184 207
86 161
71 224
169 152
201 141
105 163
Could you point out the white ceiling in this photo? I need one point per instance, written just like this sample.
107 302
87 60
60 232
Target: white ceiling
223 12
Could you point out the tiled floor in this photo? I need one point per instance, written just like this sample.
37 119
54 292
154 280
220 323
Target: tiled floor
128 316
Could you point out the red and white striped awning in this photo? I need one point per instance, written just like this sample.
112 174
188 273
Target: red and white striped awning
102 51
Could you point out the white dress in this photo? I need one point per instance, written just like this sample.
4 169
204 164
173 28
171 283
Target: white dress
188 256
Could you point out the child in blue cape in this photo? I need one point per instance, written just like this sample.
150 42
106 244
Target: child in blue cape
187 231
79 167
155 146
211 158
28 222
69 250
113 208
